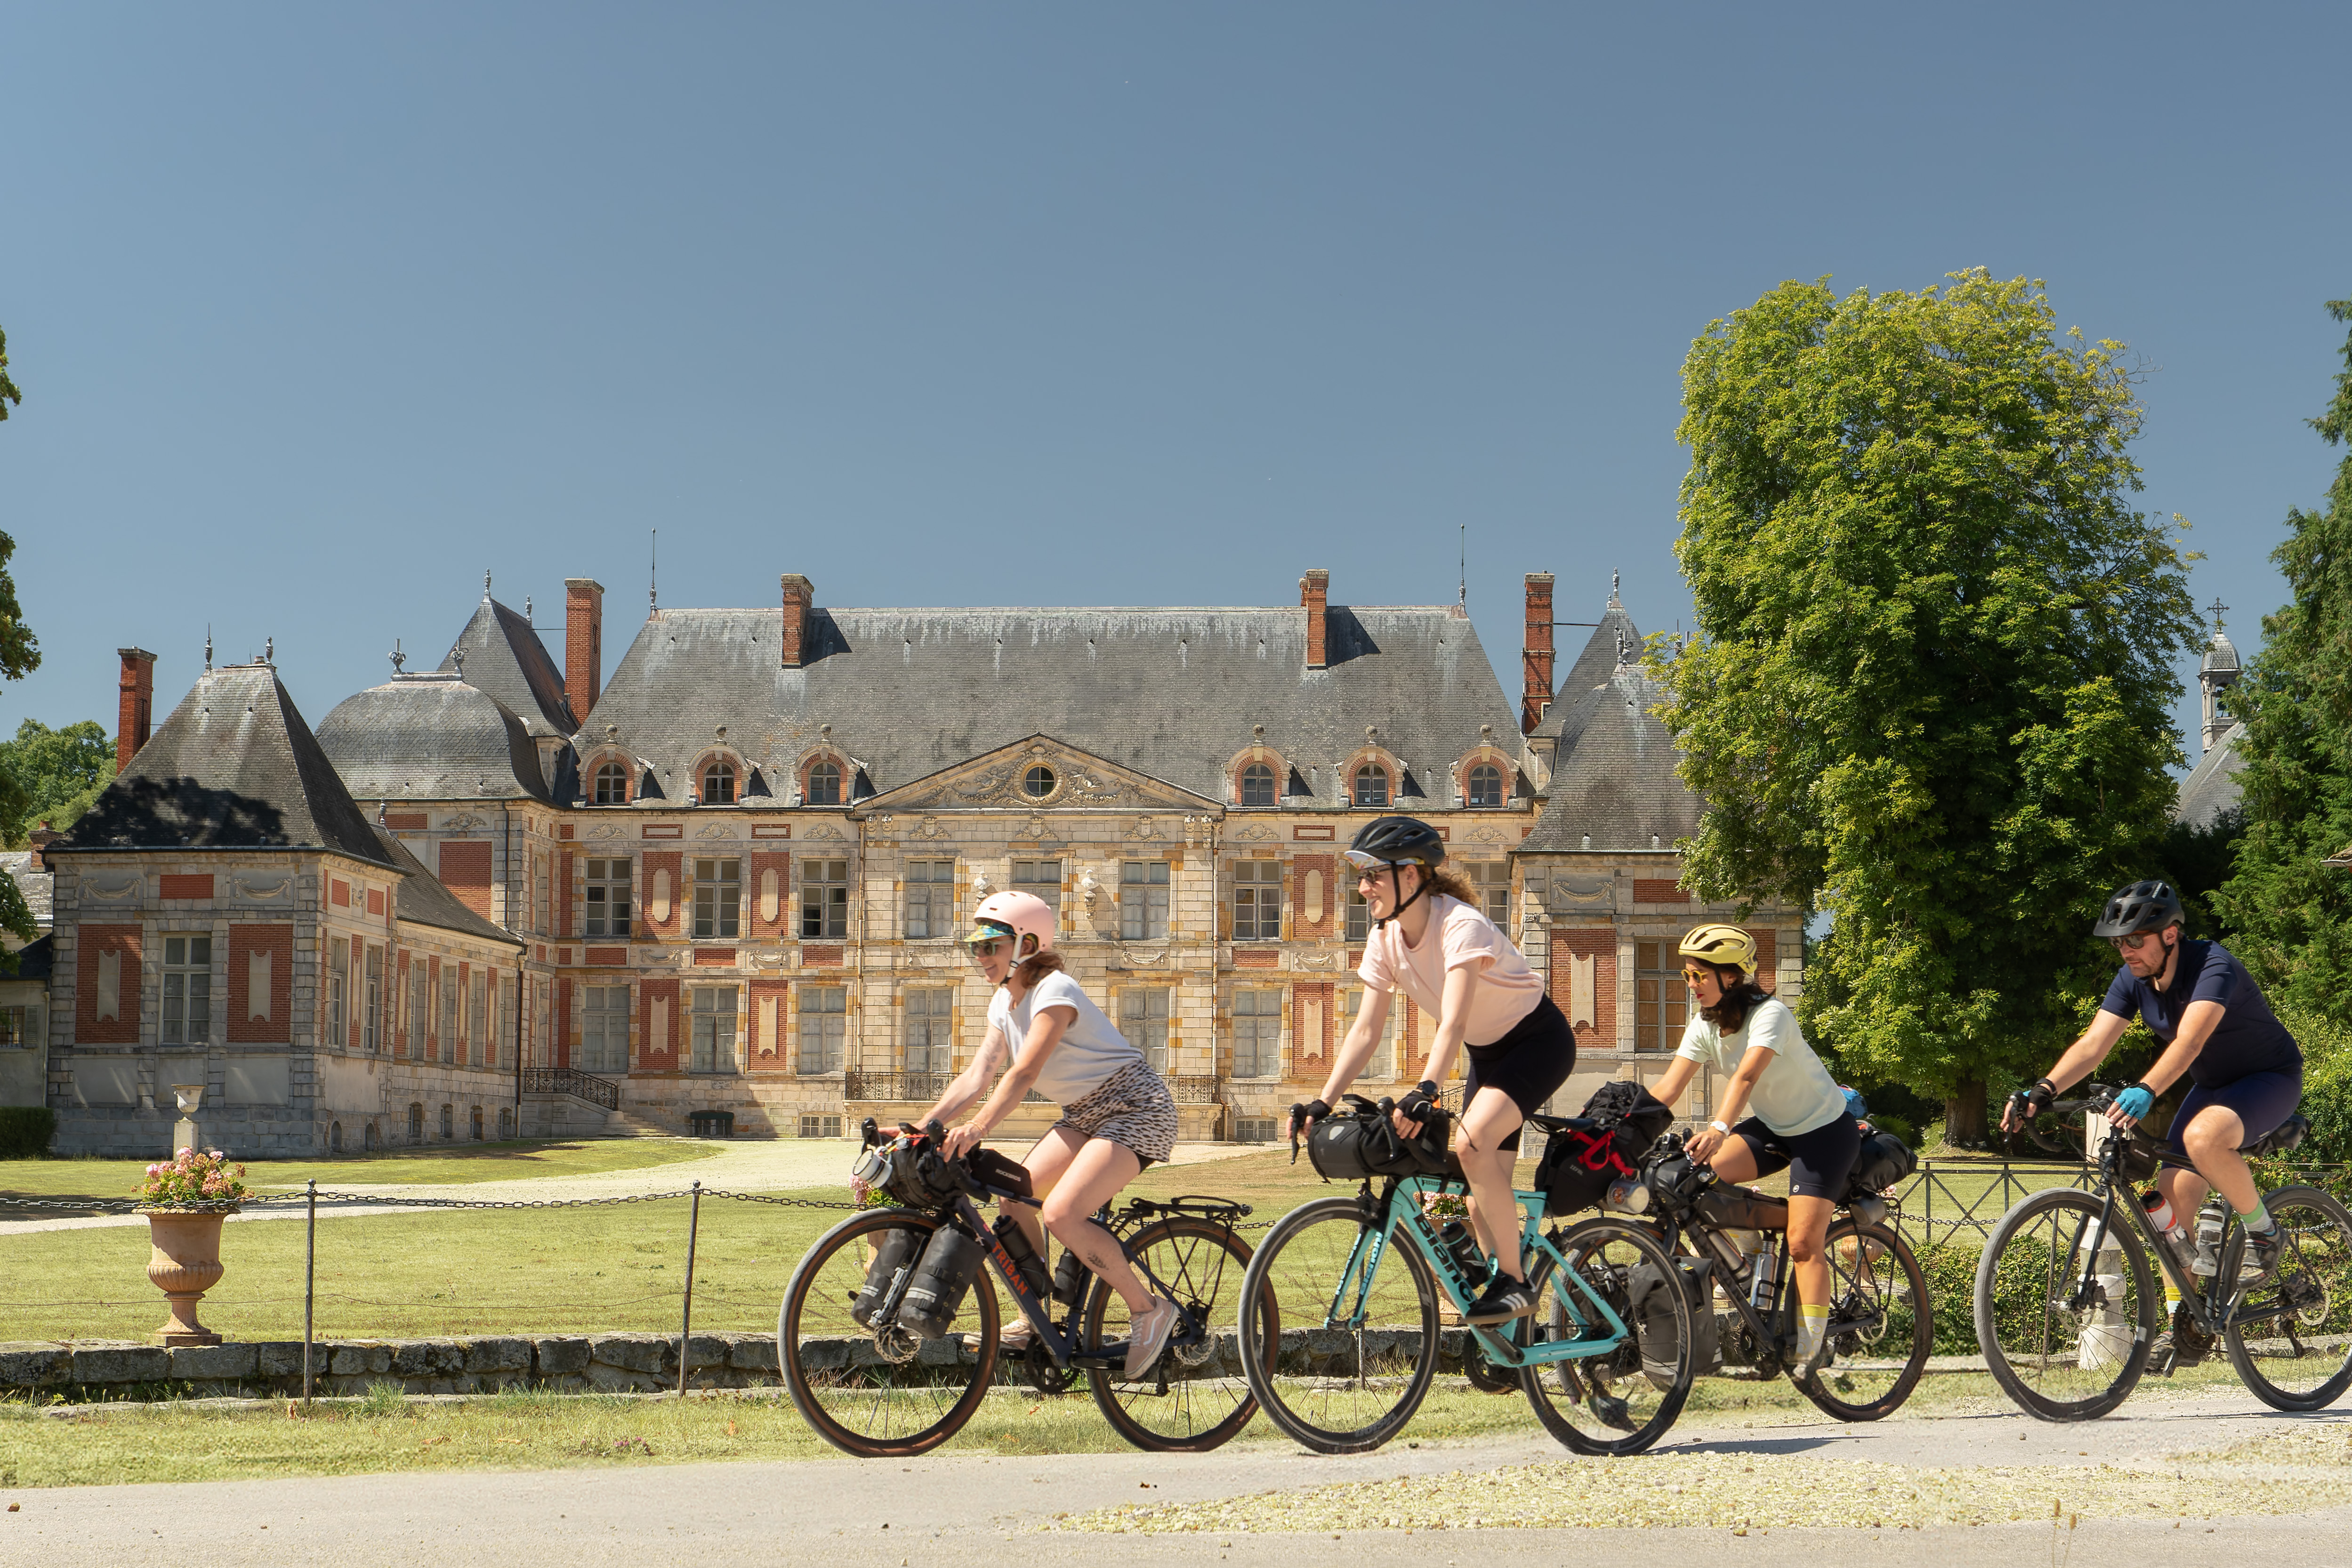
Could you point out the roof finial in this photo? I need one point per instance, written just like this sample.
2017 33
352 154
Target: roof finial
458 657
653 575
526 609
208 646
2216 607
1612 588
269 651
486 585
396 656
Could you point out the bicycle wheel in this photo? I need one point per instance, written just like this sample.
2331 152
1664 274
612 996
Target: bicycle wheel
1196 1396
2301 1359
1348 1386
879 1394
1604 1402
2059 1361
1882 1326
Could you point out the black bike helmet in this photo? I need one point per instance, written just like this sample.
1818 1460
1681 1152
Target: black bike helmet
2142 906
1393 842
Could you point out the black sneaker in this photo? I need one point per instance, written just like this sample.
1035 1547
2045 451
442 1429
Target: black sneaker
1504 1299
2182 1344
2259 1263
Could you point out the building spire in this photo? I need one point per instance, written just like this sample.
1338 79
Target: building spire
2216 607
653 575
486 585
208 646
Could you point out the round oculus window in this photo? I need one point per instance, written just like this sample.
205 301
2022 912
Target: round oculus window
1038 782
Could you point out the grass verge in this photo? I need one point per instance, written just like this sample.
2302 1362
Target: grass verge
69 1178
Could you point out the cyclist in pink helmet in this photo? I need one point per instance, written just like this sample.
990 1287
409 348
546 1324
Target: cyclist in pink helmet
1046 1033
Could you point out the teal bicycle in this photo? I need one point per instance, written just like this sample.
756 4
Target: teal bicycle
1361 1280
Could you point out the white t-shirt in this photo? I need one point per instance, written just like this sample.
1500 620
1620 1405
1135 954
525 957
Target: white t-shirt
1089 1051
1796 1093
1457 936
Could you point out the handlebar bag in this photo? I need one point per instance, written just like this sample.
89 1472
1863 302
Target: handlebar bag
1360 1146
1579 1163
1884 1160
1626 1103
920 1178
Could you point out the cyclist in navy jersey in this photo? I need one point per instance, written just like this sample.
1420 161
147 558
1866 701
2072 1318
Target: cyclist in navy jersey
2245 1069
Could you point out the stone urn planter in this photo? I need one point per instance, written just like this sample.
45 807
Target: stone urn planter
185 1264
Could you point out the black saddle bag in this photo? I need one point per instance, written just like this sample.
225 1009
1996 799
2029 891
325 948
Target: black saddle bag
1884 1160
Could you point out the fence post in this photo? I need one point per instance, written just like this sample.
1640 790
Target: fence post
685 1320
310 1282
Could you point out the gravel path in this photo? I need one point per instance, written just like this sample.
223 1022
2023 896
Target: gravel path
938 1511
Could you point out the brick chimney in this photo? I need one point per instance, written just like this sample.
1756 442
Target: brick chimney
799 594
1314 597
583 644
40 838
136 715
1535 654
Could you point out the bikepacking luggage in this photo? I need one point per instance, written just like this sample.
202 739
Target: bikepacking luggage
950 1263
1653 1321
1732 1208
892 1255
1359 1142
1884 1160
1620 1121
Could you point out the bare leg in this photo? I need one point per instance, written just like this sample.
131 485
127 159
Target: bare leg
1046 1164
1490 1118
1094 1177
2212 1140
1809 1230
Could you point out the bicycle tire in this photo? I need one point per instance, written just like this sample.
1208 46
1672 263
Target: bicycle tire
1900 1302
1588 1390
1204 1400
2032 1305
2317 1257
1292 1263
854 1397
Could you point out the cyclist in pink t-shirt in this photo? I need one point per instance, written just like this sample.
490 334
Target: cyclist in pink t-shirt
1431 942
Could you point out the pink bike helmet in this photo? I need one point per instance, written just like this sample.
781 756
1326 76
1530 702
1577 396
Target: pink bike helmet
1017 915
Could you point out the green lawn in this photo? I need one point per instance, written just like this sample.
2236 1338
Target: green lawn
467 1163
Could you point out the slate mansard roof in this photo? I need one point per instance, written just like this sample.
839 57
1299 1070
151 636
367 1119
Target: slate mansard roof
1613 773
504 657
431 737
234 768
2211 787
1172 694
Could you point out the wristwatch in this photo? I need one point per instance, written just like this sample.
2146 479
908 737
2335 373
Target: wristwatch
1720 1127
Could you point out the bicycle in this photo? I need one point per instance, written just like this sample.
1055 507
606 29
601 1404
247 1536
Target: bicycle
881 1389
1881 1329
1367 1274
2066 1308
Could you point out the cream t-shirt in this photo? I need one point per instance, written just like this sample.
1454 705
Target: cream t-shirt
1458 935
1089 1050
1796 1093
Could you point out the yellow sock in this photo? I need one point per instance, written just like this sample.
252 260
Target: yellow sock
1812 1327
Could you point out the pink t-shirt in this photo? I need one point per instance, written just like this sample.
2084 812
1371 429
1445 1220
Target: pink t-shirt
1458 934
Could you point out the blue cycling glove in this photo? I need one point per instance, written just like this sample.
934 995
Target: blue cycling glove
2135 1101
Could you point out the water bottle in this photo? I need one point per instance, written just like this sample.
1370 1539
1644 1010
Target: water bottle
2211 1220
1015 1242
1070 1277
1764 1276
2168 1226
1462 1242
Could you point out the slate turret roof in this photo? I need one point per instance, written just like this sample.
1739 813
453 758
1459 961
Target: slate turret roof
431 737
1612 772
235 767
2211 787
504 657
1171 693
2221 655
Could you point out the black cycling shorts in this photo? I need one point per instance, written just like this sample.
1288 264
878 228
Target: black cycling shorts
1528 1064
1819 1163
2262 1101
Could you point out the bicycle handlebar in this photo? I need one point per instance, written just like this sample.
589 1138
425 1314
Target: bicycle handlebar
2100 1100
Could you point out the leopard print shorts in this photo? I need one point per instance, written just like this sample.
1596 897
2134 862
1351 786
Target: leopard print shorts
1132 1108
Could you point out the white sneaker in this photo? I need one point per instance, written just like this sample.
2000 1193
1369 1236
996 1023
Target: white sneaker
1147 1336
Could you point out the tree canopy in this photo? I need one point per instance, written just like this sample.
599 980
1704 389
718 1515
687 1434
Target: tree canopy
2290 916
20 654
52 775
1931 688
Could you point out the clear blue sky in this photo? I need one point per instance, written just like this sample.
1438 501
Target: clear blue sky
322 311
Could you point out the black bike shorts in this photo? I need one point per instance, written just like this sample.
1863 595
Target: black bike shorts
1819 1163
2262 1101
1528 1064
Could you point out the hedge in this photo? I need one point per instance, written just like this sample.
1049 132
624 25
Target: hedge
26 1131
2326 1085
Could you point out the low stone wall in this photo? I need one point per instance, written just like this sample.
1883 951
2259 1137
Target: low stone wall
577 1364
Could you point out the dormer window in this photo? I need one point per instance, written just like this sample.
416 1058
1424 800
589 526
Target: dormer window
1486 785
612 784
1372 785
824 784
718 784
1257 785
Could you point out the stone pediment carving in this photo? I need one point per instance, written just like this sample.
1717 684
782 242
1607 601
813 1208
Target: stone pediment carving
1040 775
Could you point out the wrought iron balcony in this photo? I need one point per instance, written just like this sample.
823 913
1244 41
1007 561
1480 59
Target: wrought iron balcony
601 1092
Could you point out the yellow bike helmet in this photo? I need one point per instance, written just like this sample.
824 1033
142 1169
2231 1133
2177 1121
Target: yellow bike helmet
1726 945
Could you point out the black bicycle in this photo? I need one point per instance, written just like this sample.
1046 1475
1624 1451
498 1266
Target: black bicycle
1882 1326
2068 1309
887 1335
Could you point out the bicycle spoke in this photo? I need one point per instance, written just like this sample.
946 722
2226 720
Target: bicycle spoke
2064 1329
2296 1352
1195 1398
1879 1330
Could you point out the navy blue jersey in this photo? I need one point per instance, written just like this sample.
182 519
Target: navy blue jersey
2248 1038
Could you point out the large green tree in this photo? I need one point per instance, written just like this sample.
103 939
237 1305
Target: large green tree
1932 687
20 653
2290 916
56 775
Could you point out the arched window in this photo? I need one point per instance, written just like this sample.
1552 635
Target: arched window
1486 785
718 783
1372 785
1257 785
612 785
824 784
